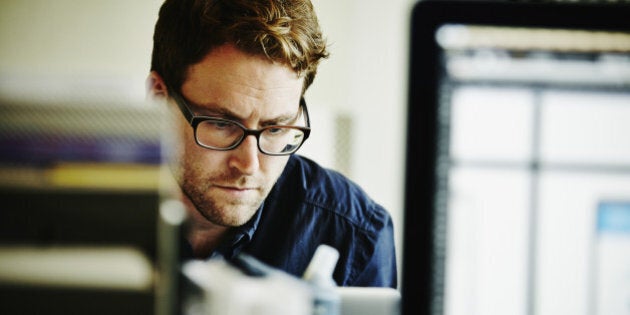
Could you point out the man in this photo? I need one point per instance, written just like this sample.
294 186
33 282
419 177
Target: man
234 73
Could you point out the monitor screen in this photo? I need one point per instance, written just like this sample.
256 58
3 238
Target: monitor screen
518 163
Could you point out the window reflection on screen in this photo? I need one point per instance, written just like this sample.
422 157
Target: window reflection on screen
534 135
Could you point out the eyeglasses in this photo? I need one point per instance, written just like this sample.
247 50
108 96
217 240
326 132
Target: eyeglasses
223 134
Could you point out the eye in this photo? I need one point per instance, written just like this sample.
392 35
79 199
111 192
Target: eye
222 126
219 124
276 130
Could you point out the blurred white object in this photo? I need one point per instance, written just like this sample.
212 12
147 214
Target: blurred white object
228 290
319 274
249 287
85 267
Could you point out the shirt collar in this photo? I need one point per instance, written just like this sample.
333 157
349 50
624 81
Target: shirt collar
240 236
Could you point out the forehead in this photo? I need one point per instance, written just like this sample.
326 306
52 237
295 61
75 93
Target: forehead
228 75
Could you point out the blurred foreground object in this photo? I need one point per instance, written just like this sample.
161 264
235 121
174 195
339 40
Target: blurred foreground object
220 288
88 224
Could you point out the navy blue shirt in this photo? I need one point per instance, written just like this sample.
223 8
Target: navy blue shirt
308 206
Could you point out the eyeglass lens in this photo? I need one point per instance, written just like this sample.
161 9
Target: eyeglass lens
224 134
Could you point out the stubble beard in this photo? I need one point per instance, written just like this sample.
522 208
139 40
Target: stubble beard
218 209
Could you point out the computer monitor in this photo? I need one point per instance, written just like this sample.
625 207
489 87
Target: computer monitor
517 189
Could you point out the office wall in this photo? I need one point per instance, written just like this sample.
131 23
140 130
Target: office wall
99 41
365 79
358 100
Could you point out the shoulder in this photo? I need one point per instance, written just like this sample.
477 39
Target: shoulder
329 190
315 205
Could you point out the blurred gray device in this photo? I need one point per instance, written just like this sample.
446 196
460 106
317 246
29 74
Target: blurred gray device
369 301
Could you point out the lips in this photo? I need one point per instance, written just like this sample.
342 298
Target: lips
241 184
235 188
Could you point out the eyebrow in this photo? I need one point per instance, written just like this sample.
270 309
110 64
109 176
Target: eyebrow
222 112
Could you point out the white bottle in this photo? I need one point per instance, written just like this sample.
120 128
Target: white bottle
319 274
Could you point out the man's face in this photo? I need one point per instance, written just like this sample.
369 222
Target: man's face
227 187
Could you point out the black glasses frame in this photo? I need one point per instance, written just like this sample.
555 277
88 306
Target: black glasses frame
195 120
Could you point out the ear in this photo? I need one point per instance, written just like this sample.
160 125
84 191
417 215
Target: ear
156 88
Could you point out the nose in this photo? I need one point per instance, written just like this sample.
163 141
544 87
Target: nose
245 156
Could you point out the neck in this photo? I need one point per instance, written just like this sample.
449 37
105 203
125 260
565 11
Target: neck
204 236
205 240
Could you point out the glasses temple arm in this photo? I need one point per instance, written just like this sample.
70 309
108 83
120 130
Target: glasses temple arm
308 119
181 103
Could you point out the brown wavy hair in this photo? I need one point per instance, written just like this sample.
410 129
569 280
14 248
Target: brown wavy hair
285 31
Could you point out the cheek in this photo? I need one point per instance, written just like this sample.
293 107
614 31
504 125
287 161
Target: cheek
273 166
183 149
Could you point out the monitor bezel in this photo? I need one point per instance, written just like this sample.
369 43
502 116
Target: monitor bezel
421 131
